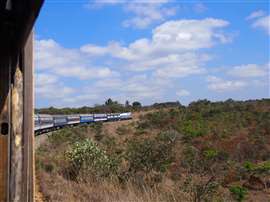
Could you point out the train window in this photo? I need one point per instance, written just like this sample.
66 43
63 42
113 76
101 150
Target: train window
4 128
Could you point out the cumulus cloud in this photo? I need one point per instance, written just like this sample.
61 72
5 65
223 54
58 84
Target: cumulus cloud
74 63
256 14
143 12
263 23
147 13
135 87
249 70
260 20
182 93
220 85
178 57
148 66
49 86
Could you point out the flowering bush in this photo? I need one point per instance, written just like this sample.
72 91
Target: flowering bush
87 156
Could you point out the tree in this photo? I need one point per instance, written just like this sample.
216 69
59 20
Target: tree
109 102
136 104
127 104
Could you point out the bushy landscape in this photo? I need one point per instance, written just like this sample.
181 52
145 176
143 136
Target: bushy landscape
207 151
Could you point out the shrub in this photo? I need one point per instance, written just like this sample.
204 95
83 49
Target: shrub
191 158
87 156
191 130
168 136
210 154
97 127
149 154
239 193
122 130
200 189
257 168
65 136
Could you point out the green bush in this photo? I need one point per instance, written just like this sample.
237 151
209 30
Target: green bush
257 168
87 156
149 154
210 154
66 135
239 193
168 136
191 130
190 158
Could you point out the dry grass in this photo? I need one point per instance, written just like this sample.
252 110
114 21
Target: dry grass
56 188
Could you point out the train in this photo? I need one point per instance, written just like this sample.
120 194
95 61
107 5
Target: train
46 123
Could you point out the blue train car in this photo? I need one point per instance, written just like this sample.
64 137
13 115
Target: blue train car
86 118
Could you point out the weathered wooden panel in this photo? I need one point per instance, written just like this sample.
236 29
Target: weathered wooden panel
16 107
16 138
28 114
16 99
4 118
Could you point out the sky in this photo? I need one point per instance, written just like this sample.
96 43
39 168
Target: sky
151 51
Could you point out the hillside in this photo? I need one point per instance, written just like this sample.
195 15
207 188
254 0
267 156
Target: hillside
204 152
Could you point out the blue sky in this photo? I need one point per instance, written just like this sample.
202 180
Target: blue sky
151 51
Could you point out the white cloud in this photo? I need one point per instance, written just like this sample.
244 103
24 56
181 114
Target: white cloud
260 20
144 12
178 57
263 23
135 87
45 79
74 63
178 35
84 73
53 91
147 13
220 85
48 86
249 70
256 14
182 93
181 66
175 50
94 50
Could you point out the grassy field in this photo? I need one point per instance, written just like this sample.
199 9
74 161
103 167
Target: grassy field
204 152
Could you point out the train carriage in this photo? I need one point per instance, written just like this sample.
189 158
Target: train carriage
37 123
100 117
86 118
60 120
45 121
125 116
73 119
113 117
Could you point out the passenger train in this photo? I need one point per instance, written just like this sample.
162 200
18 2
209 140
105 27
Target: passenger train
45 123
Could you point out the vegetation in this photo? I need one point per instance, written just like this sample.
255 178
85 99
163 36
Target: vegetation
109 106
85 156
239 193
203 152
